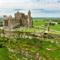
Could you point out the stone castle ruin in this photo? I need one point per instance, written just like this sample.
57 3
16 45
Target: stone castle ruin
20 20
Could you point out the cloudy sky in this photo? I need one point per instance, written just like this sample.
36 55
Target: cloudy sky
39 8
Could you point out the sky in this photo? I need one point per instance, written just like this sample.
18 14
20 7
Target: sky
39 8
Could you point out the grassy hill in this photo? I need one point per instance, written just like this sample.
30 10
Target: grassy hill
27 49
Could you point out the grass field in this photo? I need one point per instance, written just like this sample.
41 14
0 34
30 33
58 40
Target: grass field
4 54
49 49
56 27
38 22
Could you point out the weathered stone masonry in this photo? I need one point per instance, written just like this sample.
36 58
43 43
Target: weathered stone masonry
19 20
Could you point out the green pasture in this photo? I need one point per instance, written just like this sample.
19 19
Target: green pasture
47 48
56 27
4 54
41 22
38 22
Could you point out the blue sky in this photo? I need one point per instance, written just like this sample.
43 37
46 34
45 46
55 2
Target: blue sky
39 8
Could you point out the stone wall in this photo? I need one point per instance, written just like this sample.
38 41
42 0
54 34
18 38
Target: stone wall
20 19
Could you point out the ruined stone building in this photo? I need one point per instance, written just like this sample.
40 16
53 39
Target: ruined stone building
19 20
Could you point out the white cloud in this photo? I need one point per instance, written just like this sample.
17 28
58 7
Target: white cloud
30 4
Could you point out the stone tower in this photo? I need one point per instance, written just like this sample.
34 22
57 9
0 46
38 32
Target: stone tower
10 22
5 22
17 17
29 19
